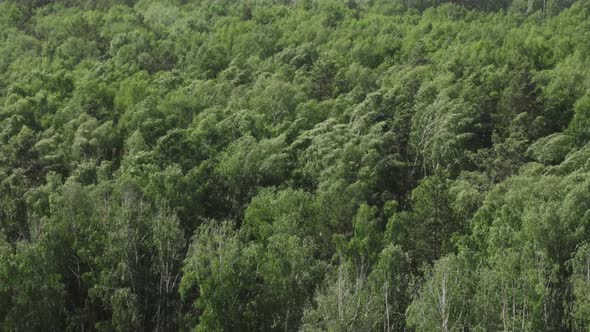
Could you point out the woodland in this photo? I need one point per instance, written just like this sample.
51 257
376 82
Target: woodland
295 165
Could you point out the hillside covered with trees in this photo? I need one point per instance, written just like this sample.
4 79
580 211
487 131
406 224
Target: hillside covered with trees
294 165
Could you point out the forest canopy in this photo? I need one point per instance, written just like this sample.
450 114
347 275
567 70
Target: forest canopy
295 165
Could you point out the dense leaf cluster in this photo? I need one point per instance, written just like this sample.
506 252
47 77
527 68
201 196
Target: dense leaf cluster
306 165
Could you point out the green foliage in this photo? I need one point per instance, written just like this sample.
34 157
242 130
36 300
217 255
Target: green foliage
443 300
294 165
215 263
581 287
426 231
